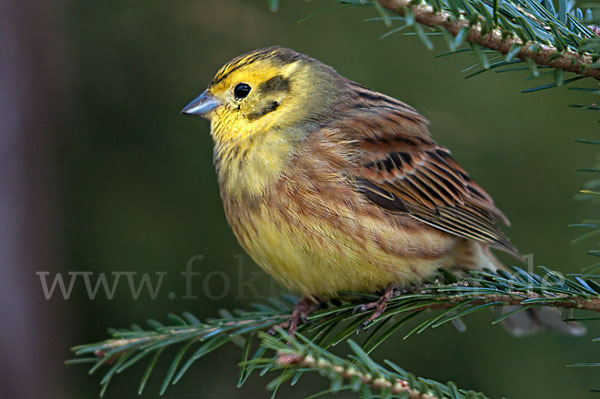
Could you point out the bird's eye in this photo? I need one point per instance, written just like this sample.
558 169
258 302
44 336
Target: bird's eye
241 91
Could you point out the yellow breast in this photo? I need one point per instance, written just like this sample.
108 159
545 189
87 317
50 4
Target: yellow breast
316 255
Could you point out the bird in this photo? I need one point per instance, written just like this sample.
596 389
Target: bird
330 186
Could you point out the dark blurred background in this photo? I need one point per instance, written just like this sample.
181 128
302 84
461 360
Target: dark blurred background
100 173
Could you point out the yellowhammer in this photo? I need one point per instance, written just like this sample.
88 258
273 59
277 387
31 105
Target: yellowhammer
330 186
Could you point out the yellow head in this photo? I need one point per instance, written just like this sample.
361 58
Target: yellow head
267 88
260 105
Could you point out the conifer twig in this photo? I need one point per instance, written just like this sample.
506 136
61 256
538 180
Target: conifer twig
398 386
542 54
328 327
357 371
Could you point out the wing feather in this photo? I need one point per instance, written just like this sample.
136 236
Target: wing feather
399 168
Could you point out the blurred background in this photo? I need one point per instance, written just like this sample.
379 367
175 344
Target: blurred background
101 174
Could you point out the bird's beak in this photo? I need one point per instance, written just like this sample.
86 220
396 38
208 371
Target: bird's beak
201 105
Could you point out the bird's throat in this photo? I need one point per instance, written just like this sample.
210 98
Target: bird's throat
248 167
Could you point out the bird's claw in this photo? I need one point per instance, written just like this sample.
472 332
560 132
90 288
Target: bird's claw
303 308
379 305
363 307
364 326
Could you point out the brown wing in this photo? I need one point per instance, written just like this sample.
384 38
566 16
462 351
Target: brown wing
399 168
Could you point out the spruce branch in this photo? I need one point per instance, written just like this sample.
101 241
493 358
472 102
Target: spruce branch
514 31
360 372
328 327
499 39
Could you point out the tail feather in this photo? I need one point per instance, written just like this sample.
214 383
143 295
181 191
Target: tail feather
530 321
474 255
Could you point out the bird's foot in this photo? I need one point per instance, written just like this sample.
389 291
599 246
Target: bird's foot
391 291
303 308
